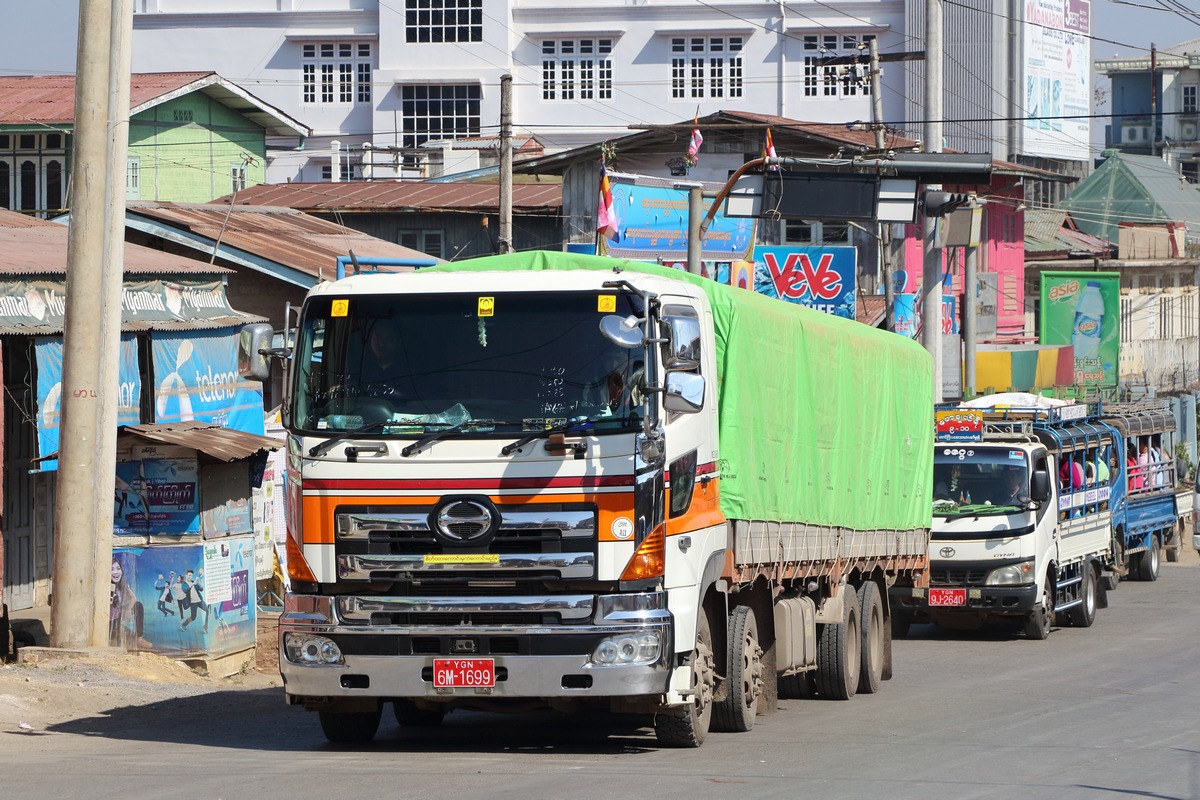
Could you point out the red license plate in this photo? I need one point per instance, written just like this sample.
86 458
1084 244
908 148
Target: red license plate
464 673
947 597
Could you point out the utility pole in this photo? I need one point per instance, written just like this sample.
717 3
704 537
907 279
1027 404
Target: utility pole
931 276
506 163
884 229
1153 100
970 308
695 234
91 328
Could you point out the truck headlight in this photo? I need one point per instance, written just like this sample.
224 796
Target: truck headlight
627 650
1011 575
309 649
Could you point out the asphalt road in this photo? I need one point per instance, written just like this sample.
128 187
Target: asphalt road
1104 712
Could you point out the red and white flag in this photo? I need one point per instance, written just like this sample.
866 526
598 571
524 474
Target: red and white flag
696 140
606 215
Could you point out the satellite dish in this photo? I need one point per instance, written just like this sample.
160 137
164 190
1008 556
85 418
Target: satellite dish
622 331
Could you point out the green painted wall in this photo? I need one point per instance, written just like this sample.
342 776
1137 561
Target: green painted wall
186 147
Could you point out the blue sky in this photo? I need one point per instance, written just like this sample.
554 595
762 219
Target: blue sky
1138 23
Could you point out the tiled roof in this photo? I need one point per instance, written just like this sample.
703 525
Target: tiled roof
528 198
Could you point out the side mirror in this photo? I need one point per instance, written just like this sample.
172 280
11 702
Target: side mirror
683 342
1039 490
684 393
253 363
622 331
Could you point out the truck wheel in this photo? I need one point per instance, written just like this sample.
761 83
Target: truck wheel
1147 566
801 686
1084 614
744 674
838 656
687 726
409 716
870 616
355 727
1041 619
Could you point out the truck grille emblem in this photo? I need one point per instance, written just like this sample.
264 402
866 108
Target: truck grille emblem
464 522
947 552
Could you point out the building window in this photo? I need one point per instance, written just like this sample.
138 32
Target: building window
335 73
706 66
439 112
443 20
427 242
133 179
33 172
1189 99
1190 171
577 68
1126 320
347 172
798 231
835 80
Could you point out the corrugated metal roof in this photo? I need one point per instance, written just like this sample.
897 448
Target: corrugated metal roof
35 247
286 236
50 99
222 444
528 198
837 133
1132 188
1051 232
870 309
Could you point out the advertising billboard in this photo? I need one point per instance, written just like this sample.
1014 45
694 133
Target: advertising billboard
1083 309
818 277
1056 77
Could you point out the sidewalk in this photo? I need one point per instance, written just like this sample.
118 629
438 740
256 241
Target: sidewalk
31 626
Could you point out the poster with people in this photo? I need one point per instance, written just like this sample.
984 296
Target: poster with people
185 599
157 492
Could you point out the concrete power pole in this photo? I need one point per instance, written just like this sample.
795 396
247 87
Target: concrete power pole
506 163
931 278
91 330
885 229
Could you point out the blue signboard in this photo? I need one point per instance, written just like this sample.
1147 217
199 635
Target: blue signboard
196 378
48 352
905 315
819 277
652 224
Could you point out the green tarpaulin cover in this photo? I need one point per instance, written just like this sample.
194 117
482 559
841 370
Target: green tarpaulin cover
821 419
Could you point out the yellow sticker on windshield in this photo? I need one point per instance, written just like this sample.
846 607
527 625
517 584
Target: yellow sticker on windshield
487 306
606 303
339 308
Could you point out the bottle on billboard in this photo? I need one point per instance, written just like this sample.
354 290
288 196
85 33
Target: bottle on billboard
1089 322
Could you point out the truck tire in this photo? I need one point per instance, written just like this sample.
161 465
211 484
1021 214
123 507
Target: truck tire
687 726
744 674
409 716
355 727
1040 620
1148 562
838 653
1112 578
1084 614
870 616
801 686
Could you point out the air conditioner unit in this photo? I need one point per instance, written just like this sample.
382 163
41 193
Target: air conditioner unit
1135 133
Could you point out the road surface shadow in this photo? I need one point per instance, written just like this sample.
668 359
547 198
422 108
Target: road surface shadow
260 720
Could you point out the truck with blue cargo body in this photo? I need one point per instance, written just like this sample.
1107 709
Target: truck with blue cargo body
577 482
1038 510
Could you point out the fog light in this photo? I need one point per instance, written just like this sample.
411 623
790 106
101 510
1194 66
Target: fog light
643 648
309 649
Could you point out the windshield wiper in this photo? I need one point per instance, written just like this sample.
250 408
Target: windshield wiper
578 422
324 447
454 430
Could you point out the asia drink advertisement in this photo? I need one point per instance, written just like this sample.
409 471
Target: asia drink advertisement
1082 309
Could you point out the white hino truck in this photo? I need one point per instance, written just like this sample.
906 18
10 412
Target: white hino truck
563 481
1022 523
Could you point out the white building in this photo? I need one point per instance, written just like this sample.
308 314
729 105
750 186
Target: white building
396 74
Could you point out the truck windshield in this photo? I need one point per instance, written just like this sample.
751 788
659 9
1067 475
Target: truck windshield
976 482
478 363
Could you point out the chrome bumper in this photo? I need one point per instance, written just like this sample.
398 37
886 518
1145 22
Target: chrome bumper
551 660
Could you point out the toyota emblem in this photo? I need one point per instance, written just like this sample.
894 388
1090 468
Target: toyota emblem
947 552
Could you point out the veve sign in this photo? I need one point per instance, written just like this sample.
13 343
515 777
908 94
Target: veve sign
818 277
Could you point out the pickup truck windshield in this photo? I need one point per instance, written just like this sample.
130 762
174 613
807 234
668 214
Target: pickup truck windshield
480 364
973 481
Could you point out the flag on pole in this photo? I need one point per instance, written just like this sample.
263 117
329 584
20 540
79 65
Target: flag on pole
606 215
769 150
695 142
